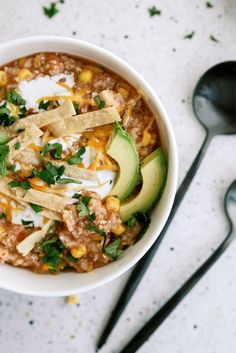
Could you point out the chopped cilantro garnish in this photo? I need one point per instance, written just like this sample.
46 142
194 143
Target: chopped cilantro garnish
23 184
76 106
44 105
50 11
4 151
92 216
17 145
3 138
82 209
209 5
189 35
153 11
12 168
113 249
6 118
95 229
15 98
20 130
55 148
27 223
76 196
52 251
36 208
131 222
100 102
214 39
76 158
110 182
86 200
50 174
22 112
2 215
68 181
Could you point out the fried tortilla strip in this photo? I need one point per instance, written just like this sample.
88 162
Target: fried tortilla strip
74 172
29 156
49 201
23 140
7 191
28 243
84 121
40 119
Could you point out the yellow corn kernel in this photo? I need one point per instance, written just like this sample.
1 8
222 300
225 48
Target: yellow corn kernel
94 69
24 74
119 230
3 78
21 62
112 204
46 267
146 140
73 299
85 76
79 252
124 92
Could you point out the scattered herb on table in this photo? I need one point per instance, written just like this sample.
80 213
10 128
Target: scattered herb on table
50 11
113 249
76 158
214 39
189 35
4 151
100 102
36 208
23 184
54 148
209 5
154 11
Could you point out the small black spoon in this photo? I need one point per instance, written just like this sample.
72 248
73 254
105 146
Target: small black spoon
166 309
214 104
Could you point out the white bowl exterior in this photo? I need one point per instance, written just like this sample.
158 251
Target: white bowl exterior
26 282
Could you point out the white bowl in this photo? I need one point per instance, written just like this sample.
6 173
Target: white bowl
23 281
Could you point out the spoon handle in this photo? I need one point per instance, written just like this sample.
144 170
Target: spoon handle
171 304
141 267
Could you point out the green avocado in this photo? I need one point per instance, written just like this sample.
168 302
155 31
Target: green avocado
153 170
121 148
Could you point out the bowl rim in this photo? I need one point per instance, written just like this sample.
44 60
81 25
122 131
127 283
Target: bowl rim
172 158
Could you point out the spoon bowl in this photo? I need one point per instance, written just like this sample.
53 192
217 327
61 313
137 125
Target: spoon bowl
214 99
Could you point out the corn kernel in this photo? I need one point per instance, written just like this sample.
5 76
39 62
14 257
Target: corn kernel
79 252
46 267
146 140
85 76
124 92
112 204
21 62
24 74
119 230
73 299
3 78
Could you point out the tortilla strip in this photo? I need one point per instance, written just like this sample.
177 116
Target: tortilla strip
28 243
84 121
6 190
50 201
29 156
24 139
74 172
41 119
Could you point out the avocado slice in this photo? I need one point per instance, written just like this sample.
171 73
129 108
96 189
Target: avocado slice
153 170
121 148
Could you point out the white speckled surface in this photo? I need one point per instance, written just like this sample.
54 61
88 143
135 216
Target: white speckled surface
205 322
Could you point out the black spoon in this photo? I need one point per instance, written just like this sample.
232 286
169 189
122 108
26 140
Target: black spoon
214 104
160 316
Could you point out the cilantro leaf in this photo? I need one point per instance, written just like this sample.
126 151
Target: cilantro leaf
209 5
52 251
55 148
100 102
3 138
153 11
15 98
95 229
44 105
17 145
12 168
76 158
76 106
50 174
113 249
27 224
4 151
68 181
22 112
6 119
2 215
50 11
36 208
86 200
214 39
82 209
76 196
23 184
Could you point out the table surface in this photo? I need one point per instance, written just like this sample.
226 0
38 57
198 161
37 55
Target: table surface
205 321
